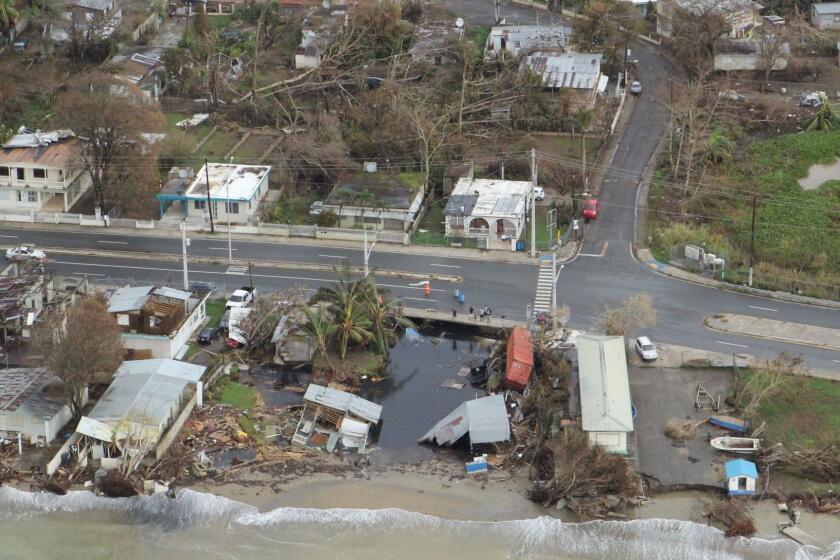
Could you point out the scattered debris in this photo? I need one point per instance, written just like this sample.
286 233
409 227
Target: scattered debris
681 430
484 419
733 515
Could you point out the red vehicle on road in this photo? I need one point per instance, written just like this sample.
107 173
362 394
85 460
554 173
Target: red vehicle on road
590 209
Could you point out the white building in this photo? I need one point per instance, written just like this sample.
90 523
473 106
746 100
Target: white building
157 321
578 71
142 410
487 209
32 403
606 411
41 171
741 476
235 192
514 40
742 15
825 15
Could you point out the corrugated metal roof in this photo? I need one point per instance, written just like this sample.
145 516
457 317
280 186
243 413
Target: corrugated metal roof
604 386
740 467
566 70
128 298
143 396
23 392
485 420
343 401
825 8
166 291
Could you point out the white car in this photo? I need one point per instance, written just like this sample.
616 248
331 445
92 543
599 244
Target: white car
539 193
646 349
24 253
636 88
243 297
316 208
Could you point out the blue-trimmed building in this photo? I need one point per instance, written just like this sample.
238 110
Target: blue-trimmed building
235 191
741 476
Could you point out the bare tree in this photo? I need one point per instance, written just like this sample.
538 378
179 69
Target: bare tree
110 117
429 121
771 50
636 312
258 327
80 346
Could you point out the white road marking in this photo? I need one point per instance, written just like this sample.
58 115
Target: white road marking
220 249
421 299
333 257
762 308
88 274
732 344
589 255
114 242
9 236
836 361
220 273
445 265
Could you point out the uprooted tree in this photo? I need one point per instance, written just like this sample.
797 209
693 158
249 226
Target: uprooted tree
81 345
636 312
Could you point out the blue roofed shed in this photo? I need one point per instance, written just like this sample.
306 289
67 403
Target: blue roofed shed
741 476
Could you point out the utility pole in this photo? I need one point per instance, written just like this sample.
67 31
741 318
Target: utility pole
533 202
209 202
184 243
752 241
554 292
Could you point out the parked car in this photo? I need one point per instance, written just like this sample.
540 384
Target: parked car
208 335
646 349
730 94
243 297
590 209
316 208
20 45
26 253
539 193
810 100
636 88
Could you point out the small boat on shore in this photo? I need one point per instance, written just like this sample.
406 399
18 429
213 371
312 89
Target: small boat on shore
729 423
736 444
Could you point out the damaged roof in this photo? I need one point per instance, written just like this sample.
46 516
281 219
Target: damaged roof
129 298
25 391
565 70
484 419
343 401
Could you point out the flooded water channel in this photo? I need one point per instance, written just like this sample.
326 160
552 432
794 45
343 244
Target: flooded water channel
412 395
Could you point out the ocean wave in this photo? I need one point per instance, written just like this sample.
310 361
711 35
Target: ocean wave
532 538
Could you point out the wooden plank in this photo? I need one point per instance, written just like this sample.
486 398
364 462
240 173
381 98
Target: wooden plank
802 537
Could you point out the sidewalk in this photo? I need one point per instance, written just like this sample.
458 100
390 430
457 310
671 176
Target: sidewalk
783 331
645 257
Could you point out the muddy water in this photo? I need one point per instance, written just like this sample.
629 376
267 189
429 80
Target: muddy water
202 526
819 174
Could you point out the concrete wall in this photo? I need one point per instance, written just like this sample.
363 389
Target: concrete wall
55 462
825 21
735 62
172 433
169 346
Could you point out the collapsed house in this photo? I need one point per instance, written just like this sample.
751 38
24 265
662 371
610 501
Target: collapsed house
335 420
157 322
290 348
484 420
141 411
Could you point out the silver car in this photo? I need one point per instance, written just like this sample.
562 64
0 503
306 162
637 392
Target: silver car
636 88
646 349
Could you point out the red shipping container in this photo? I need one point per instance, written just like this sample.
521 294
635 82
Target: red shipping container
520 359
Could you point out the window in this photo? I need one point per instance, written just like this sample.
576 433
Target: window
214 208
20 174
200 204
24 196
4 171
39 173
232 207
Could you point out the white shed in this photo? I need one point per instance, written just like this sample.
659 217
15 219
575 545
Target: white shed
32 403
606 411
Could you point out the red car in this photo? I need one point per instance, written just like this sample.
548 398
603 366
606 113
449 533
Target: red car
590 209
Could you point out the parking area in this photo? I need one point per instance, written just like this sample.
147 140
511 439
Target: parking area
660 394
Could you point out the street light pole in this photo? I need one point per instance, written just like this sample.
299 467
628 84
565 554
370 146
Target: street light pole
227 211
367 251
555 274
533 202
184 243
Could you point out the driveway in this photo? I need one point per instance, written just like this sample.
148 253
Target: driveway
169 34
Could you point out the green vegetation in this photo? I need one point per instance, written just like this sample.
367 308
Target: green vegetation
804 412
215 309
219 144
412 179
291 210
219 23
238 395
545 238
478 35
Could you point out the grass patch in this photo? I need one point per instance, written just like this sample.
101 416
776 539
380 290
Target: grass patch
433 220
803 413
219 23
215 309
219 144
254 147
412 179
192 350
478 35
545 238
292 210
238 395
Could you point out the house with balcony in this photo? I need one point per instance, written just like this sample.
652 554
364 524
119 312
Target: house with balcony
231 192
487 209
41 172
97 19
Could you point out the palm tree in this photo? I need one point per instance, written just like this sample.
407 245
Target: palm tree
8 13
384 322
320 329
351 320
827 117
